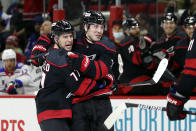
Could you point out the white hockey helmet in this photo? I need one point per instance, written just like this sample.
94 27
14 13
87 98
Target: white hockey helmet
8 54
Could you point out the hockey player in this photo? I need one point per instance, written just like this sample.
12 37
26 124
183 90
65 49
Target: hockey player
176 100
16 78
182 45
136 62
101 51
54 99
165 47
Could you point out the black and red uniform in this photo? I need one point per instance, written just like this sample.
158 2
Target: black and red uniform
184 89
168 46
94 110
187 82
137 63
179 56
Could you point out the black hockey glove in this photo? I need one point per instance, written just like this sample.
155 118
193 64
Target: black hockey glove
78 61
175 105
39 59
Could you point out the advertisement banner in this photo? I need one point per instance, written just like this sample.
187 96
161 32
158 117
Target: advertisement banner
18 113
138 119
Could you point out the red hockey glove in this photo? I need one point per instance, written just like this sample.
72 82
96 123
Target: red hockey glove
13 85
175 105
78 62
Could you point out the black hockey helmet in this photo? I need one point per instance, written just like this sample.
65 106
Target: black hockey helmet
93 17
60 27
169 17
130 22
190 20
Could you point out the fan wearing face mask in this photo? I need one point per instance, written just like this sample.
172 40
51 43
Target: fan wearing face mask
117 31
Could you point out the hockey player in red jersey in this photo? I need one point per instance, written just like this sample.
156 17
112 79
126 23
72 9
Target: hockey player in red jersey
176 100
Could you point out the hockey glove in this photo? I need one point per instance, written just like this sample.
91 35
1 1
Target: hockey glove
175 105
78 62
12 87
39 59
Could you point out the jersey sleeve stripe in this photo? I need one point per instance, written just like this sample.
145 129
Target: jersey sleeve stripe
189 72
104 69
91 87
39 47
49 114
55 64
113 50
83 86
97 70
190 63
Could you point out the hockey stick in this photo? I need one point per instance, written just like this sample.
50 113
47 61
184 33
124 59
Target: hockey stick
109 122
169 75
156 77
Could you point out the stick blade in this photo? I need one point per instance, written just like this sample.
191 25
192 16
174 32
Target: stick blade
160 70
109 122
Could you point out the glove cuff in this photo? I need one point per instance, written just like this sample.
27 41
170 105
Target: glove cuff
176 100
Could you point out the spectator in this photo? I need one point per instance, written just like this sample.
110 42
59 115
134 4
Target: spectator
117 31
16 78
146 27
13 7
46 27
4 16
38 20
3 34
12 43
16 22
17 25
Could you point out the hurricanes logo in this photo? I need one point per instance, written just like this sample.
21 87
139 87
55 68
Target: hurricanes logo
92 57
